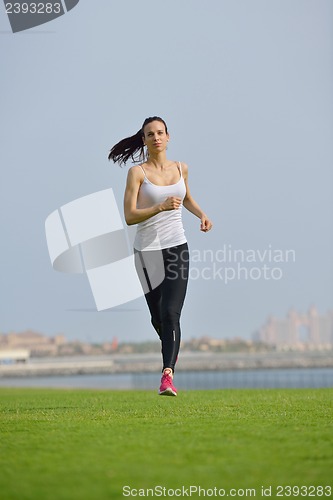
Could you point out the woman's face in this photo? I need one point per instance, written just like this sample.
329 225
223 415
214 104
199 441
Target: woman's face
155 136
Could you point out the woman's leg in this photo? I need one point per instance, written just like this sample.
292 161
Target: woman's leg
173 291
165 300
145 270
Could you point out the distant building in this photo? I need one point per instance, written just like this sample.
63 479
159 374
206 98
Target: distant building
38 344
298 331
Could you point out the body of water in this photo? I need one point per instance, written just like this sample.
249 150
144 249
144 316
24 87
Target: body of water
203 380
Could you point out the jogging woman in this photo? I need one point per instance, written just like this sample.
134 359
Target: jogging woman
155 192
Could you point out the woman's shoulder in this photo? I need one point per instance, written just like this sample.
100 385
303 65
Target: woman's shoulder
135 174
136 169
183 166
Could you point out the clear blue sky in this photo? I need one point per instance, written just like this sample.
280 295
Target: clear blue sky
246 90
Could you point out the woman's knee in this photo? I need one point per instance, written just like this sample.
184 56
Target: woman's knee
170 316
157 325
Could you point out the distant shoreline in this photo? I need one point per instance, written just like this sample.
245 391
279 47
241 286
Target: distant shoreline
144 363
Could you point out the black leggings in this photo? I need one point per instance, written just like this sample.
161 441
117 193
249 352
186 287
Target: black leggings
163 275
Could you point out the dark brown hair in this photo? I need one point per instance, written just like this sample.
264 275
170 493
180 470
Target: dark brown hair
132 147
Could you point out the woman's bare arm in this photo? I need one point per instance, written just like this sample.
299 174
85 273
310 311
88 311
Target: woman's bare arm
192 206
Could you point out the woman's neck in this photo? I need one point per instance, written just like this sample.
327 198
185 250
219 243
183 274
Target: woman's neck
159 160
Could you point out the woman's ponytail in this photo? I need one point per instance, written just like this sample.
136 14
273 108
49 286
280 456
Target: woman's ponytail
128 148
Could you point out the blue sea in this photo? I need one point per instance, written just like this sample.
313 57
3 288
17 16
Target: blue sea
202 380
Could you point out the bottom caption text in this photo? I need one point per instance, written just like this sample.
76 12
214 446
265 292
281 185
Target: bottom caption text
198 491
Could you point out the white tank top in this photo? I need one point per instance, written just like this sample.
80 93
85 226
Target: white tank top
165 229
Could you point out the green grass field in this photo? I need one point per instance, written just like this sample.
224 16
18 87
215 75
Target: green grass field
85 444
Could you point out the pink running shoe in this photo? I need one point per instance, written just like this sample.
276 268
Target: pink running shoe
167 388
